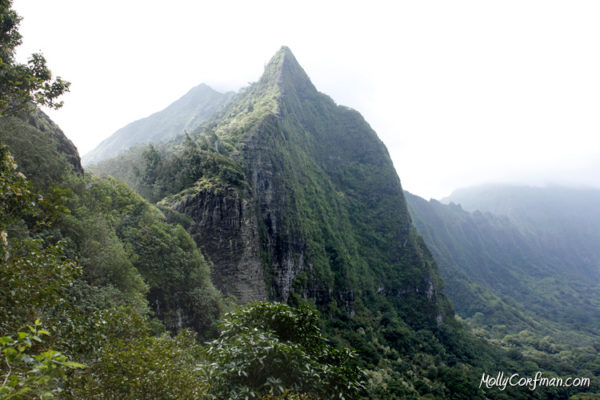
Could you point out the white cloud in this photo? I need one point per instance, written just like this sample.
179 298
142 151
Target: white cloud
461 92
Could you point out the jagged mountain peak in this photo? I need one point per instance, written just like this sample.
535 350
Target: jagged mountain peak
283 85
284 71
292 196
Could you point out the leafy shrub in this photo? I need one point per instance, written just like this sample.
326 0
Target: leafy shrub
270 348
146 367
25 373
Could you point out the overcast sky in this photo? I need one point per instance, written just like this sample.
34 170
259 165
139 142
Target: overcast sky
461 92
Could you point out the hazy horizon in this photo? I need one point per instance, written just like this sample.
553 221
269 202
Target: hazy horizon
461 94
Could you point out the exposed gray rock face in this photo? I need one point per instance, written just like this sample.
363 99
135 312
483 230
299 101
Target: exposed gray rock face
282 244
226 227
226 230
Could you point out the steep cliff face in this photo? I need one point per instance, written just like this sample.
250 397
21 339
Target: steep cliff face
318 210
226 228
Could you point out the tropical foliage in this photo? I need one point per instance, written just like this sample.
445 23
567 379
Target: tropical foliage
23 84
271 348
106 294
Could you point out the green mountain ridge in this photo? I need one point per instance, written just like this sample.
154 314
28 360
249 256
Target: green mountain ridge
185 114
506 274
294 198
113 230
277 194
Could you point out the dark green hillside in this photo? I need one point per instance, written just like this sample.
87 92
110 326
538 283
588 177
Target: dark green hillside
561 227
123 243
504 277
83 262
292 197
44 153
521 279
185 114
288 197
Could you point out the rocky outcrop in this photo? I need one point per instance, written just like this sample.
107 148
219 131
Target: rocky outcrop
226 230
282 241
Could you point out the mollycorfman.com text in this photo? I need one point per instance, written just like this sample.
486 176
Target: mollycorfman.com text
502 381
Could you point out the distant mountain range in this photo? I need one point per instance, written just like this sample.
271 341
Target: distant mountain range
565 222
185 114
519 258
513 258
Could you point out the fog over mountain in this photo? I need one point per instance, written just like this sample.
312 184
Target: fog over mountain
521 254
457 97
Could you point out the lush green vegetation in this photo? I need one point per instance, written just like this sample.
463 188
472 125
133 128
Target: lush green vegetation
52 149
107 295
93 309
331 199
504 279
330 204
270 348
511 289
